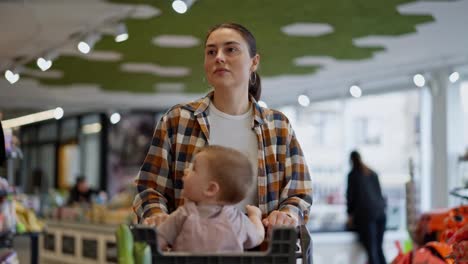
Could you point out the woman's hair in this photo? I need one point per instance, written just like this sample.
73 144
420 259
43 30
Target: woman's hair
232 170
255 84
358 164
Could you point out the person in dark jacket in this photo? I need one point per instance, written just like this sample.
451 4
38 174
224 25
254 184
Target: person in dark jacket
81 193
366 208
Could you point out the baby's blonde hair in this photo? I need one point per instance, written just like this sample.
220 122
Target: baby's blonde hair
232 170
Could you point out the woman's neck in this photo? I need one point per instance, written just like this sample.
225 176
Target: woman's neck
231 103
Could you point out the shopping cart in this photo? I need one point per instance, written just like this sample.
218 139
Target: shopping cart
286 246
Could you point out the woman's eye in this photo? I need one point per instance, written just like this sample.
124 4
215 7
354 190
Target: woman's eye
232 49
210 52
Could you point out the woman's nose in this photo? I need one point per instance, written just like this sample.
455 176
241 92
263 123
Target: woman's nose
220 57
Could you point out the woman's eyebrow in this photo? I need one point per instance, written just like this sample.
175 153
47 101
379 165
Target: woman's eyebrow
224 44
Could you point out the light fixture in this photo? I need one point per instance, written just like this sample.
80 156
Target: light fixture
181 6
115 118
56 113
12 76
454 77
87 44
355 91
262 104
303 100
419 80
121 33
44 64
91 128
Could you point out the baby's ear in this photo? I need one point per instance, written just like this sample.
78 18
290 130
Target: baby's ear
212 190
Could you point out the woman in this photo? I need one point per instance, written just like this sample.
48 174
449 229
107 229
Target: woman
228 116
366 208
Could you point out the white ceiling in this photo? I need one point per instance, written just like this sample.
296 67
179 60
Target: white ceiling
29 28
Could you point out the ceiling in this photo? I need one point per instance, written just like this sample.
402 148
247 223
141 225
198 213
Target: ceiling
315 47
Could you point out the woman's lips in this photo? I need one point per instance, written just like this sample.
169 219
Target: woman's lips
220 71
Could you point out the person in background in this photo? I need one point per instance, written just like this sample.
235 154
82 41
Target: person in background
366 208
2 145
81 193
208 222
228 116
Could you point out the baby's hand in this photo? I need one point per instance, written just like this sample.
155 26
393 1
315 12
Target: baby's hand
253 211
155 220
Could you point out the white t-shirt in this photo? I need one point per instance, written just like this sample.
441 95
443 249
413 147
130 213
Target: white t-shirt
235 131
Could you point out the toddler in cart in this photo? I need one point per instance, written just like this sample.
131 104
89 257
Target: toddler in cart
209 221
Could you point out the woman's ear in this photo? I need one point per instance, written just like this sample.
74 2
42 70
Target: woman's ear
212 190
255 62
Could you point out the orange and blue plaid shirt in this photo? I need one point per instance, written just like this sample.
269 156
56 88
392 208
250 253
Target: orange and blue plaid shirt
283 177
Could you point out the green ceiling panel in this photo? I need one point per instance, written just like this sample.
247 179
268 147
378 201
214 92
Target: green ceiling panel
265 18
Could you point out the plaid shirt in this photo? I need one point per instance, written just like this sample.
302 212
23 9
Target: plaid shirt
283 177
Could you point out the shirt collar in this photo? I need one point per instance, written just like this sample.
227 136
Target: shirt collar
200 107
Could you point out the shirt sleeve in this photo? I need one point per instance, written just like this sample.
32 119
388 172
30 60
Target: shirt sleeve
170 228
154 183
296 196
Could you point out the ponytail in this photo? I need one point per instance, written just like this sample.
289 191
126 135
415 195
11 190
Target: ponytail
255 86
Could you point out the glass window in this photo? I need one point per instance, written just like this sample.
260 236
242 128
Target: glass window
69 130
48 132
90 149
384 128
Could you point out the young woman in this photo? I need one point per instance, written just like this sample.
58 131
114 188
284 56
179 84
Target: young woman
228 116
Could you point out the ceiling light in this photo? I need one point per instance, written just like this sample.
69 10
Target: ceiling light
58 113
11 76
91 128
307 29
419 80
355 91
32 118
181 6
121 34
87 44
454 77
262 104
43 63
115 118
303 100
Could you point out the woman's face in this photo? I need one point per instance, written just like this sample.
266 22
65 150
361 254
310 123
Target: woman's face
227 59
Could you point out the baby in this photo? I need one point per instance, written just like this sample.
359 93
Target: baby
208 222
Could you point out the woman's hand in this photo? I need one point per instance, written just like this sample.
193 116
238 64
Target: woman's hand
278 218
155 219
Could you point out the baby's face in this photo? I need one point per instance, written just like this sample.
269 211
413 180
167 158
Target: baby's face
196 179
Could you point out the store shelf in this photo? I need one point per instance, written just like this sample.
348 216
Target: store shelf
84 243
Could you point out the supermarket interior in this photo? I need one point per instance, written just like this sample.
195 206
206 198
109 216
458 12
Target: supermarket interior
98 112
